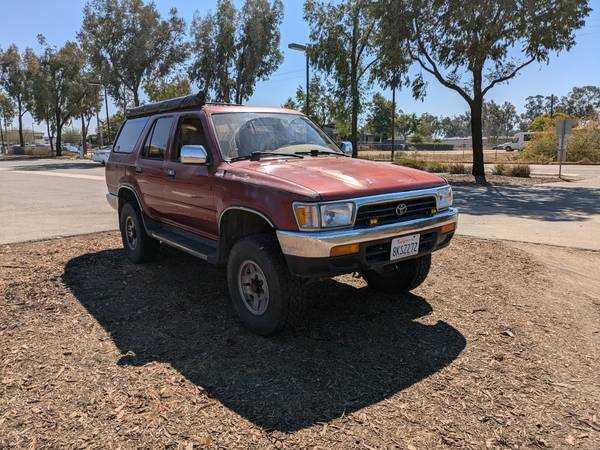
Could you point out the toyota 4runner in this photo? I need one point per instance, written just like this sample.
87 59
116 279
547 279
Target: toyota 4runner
268 195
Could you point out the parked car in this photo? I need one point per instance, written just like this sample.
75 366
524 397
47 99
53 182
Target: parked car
508 146
264 193
71 148
101 155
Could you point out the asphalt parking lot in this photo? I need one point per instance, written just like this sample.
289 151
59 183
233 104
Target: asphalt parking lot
46 198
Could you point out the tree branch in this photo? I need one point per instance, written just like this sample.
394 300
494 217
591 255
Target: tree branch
507 77
364 70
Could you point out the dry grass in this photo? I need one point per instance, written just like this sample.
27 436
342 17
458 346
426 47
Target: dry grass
96 352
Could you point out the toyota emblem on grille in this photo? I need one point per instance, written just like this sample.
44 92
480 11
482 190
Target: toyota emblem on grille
401 209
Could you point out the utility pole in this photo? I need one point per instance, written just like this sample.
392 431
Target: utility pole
98 127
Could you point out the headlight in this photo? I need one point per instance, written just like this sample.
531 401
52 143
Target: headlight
336 214
313 216
444 198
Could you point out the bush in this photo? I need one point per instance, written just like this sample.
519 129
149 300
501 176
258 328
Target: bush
435 167
542 148
412 163
519 170
499 169
458 168
431 146
584 144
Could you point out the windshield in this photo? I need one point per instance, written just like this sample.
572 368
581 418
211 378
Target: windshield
244 133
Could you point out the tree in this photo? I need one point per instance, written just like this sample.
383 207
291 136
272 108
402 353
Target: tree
7 112
324 107
456 126
62 77
41 104
158 90
470 47
583 102
15 81
379 121
128 43
341 37
406 124
116 121
245 43
428 125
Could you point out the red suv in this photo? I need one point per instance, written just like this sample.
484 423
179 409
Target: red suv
268 195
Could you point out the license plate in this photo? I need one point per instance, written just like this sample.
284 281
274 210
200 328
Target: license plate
405 246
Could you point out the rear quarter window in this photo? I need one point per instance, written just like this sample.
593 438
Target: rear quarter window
129 135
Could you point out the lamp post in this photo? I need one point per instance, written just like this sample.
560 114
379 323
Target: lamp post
106 105
303 48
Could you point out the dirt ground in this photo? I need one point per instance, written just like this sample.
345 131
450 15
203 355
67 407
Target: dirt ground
499 180
499 348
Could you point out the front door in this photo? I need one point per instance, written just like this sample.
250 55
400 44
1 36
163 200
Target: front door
150 167
189 186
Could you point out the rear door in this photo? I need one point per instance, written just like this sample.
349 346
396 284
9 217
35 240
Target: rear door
150 166
189 186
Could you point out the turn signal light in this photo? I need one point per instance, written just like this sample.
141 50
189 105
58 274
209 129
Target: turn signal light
347 249
448 228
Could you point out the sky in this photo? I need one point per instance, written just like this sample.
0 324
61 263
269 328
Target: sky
60 20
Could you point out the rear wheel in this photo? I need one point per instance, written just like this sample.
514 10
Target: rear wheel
407 276
263 292
137 244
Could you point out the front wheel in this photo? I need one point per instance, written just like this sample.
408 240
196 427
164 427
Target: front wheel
407 276
137 244
264 294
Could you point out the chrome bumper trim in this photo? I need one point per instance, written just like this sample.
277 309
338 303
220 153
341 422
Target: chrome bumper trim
113 200
318 244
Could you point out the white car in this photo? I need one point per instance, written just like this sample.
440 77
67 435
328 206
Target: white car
508 146
71 148
101 155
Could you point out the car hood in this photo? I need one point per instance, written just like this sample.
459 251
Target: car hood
334 178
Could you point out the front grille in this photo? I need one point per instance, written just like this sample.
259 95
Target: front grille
384 213
380 252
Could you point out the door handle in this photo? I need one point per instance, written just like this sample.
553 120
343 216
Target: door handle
171 172
138 169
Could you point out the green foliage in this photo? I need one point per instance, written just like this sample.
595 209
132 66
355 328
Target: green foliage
158 90
456 126
582 102
432 146
498 120
341 36
410 162
518 170
71 136
129 43
236 49
499 169
379 121
324 107
470 47
458 169
436 167
584 144
7 108
546 122
116 121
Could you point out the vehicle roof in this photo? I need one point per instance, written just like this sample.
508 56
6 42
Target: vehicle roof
196 102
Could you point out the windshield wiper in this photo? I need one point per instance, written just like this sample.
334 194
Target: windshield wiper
317 152
255 156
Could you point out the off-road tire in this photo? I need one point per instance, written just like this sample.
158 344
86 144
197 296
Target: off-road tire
285 303
407 276
145 247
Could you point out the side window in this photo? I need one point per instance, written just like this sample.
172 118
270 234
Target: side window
158 139
129 135
189 132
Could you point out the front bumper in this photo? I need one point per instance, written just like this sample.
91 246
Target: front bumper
308 253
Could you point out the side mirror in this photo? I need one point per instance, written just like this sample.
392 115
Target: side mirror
346 147
193 154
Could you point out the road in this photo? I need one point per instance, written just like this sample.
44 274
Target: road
47 198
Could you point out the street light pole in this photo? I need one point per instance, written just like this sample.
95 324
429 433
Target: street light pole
304 48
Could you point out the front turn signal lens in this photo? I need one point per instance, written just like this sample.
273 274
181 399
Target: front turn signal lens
340 250
307 216
448 228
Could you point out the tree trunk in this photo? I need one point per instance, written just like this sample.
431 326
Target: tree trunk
83 135
477 140
393 121
354 84
59 126
49 136
1 138
136 98
21 140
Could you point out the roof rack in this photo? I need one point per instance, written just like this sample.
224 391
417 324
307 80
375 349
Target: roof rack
174 104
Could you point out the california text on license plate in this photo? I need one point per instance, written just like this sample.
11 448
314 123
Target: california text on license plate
405 246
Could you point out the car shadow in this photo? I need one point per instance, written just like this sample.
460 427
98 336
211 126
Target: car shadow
58 166
545 202
357 348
